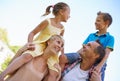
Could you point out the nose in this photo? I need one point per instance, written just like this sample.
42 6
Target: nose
69 16
83 45
95 23
59 46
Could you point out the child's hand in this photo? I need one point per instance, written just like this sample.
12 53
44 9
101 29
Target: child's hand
29 46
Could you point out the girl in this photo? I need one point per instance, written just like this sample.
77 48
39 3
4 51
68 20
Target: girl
47 28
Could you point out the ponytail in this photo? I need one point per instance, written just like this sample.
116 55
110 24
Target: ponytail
47 10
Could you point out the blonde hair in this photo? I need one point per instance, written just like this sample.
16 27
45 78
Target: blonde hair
53 37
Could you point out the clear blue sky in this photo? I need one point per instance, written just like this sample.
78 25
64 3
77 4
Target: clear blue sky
19 17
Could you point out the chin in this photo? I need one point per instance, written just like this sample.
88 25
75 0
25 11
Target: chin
54 52
64 21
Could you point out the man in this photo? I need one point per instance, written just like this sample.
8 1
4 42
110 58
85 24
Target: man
91 53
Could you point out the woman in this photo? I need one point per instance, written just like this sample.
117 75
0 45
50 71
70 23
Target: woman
36 69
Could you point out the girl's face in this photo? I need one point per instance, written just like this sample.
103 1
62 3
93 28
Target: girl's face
100 23
65 14
56 45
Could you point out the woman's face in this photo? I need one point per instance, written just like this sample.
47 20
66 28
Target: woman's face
56 45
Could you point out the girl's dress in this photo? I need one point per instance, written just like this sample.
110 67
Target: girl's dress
40 44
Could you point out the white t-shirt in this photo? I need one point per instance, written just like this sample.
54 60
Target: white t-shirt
76 74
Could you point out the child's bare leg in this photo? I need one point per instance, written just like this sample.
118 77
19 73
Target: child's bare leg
15 64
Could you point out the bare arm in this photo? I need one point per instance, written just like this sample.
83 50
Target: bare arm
11 68
59 71
63 60
28 46
40 27
96 76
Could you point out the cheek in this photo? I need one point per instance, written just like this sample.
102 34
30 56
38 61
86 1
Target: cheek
97 24
68 16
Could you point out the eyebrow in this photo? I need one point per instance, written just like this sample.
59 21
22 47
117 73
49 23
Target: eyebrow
90 44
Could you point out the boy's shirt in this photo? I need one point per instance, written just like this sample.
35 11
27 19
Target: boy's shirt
106 40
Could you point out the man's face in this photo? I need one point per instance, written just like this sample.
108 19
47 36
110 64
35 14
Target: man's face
88 50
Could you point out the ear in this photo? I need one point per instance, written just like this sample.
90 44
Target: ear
48 42
97 56
61 11
107 23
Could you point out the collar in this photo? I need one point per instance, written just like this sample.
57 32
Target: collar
106 34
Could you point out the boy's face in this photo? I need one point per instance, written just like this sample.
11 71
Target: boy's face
100 23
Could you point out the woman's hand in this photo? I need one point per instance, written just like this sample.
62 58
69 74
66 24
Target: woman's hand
57 66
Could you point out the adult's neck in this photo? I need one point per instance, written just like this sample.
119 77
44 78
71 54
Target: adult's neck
47 53
86 64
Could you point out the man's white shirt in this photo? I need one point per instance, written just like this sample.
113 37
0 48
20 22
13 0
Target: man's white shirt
76 74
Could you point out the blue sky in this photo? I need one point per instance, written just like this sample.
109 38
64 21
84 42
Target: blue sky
19 17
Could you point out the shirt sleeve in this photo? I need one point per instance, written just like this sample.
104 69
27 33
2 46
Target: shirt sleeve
111 43
72 57
86 40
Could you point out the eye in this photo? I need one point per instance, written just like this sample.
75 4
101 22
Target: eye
62 45
89 44
58 42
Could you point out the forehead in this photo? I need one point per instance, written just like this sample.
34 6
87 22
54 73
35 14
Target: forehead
67 9
100 16
58 39
94 44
